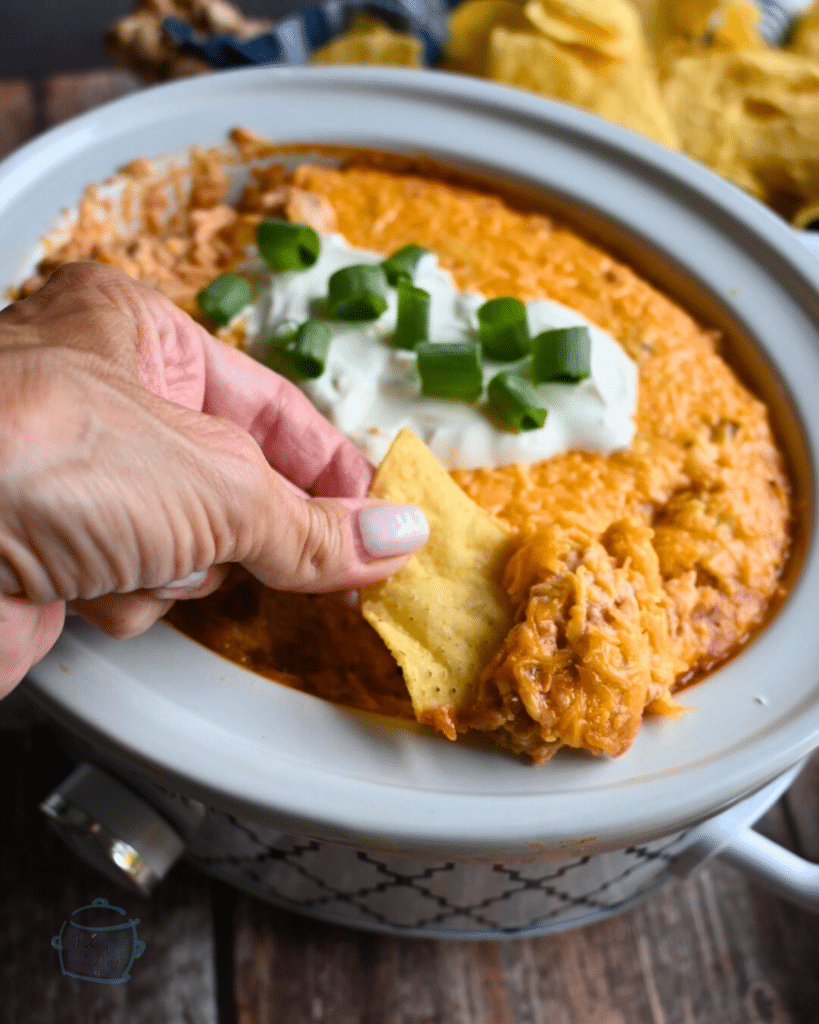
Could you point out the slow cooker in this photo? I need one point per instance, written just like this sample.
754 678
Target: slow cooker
379 824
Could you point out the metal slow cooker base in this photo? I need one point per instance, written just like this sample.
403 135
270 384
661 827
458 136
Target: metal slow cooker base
389 893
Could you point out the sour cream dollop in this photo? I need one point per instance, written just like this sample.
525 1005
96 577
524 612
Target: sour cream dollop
370 390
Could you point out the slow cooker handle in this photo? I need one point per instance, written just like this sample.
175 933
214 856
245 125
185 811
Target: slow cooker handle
113 829
788 875
731 837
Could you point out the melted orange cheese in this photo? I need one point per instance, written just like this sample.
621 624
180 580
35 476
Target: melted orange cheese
631 573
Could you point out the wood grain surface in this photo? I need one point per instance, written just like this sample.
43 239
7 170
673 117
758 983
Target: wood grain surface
17 113
42 884
711 949
68 94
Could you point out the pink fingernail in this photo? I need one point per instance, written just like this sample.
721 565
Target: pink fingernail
388 530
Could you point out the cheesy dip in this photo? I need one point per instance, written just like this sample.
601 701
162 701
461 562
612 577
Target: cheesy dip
631 572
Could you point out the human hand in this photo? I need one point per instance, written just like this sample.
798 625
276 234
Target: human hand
136 450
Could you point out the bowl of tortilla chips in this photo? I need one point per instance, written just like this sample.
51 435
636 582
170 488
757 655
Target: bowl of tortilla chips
380 821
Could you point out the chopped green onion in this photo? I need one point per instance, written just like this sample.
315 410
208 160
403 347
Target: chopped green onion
450 370
517 401
223 298
280 341
357 293
286 246
562 354
307 351
401 265
503 329
283 334
412 322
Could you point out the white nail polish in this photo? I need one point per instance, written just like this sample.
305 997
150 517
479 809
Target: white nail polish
193 580
388 530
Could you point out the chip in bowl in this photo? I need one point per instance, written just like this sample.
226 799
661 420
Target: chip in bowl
443 615
629 569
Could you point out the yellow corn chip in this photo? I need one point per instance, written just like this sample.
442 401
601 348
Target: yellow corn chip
445 613
623 91
647 11
685 28
807 216
614 19
733 26
364 21
806 34
373 45
612 28
467 48
535 63
752 116
688 18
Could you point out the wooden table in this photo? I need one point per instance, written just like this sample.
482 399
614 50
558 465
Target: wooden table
713 949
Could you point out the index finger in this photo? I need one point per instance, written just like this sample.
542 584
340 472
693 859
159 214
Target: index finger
295 438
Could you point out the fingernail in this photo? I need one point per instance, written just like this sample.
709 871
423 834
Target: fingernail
392 529
193 580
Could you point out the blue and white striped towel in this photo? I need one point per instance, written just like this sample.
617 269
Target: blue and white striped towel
292 40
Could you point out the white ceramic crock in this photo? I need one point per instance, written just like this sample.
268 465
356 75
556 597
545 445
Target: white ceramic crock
291 773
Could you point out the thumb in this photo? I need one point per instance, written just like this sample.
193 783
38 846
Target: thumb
327 544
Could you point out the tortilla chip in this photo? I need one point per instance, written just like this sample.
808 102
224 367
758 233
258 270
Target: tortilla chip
369 42
603 22
536 63
647 11
364 21
806 34
705 119
685 28
752 116
807 216
445 614
694 19
612 29
467 48
734 27
623 91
